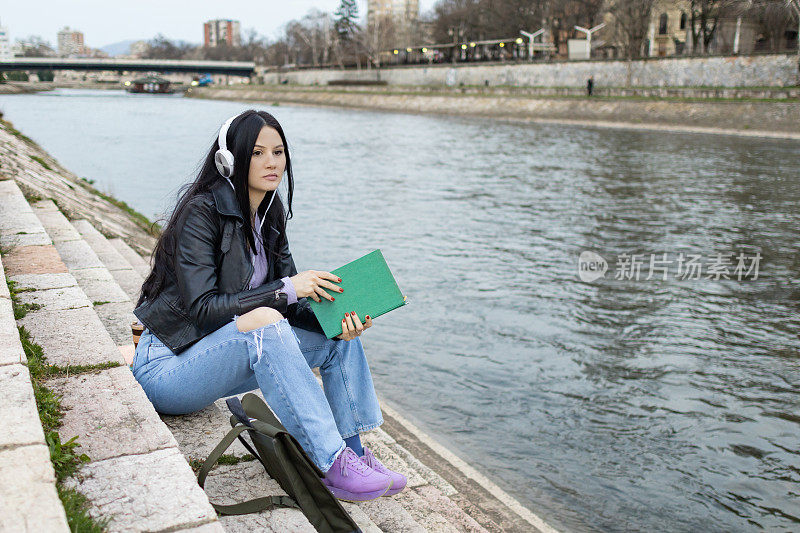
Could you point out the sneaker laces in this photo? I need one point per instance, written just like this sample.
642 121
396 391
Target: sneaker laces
349 457
369 457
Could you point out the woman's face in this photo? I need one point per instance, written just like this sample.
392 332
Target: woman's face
267 163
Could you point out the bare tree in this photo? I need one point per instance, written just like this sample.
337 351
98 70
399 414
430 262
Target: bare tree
35 46
563 15
705 16
456 20
505 18
631 20
795 7
775 17
162 48
381 34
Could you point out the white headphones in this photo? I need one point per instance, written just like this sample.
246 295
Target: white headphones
224 158
224 161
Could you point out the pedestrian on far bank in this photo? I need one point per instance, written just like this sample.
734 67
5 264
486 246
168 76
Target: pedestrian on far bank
590 86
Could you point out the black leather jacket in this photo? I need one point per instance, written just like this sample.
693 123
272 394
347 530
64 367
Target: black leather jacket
207 284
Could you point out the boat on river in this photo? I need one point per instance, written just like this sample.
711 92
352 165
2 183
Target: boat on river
150 85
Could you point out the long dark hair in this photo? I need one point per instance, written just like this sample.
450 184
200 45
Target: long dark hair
240 140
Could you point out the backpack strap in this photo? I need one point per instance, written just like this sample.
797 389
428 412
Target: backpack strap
250 506
235 406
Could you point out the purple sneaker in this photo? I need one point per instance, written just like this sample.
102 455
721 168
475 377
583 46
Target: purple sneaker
398 480
352 480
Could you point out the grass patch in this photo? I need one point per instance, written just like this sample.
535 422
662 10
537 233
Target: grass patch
41 161
153 228
20 308
519 93
55 371
103 302
64 456
76 505
15 132
224 459
227 459
41 370
30 196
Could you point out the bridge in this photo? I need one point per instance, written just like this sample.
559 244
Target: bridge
232 68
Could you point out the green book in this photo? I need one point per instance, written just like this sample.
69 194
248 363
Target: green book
369 289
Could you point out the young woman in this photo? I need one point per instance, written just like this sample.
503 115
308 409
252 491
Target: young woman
225 312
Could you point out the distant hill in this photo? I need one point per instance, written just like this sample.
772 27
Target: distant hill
121 48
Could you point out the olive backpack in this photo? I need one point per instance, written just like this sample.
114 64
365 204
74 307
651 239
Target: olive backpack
285 461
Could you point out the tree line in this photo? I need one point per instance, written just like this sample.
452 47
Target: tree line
320 38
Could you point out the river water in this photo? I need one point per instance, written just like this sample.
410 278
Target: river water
619 404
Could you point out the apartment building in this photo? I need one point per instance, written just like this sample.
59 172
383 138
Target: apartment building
220 31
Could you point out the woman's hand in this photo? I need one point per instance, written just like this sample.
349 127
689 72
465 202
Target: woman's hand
352 326
311 283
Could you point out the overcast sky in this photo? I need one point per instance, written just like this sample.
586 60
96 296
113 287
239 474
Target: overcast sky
108 21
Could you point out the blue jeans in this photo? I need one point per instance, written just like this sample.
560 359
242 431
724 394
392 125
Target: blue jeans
278 359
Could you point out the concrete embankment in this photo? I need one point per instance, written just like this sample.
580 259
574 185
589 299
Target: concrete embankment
40 175
77 286
735 117
24 87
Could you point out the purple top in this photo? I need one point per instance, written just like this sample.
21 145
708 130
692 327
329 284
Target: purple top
261 266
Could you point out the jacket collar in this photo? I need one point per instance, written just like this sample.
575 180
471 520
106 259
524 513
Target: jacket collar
225 199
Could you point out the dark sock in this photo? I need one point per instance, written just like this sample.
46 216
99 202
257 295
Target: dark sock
354 443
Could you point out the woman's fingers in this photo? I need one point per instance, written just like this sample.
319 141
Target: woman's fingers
351 328
328 275
357 322
319 290
328 285
323 277
347 331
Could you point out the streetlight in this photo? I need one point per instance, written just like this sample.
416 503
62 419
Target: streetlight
589 33
531 37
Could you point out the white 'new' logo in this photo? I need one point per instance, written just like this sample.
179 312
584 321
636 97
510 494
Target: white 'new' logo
591 266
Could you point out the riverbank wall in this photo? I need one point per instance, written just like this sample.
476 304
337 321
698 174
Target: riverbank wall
764 70
771 119
24 87
40 175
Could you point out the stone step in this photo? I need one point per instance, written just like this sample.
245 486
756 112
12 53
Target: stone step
125 275
28 491
136 477
112 304
138 263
